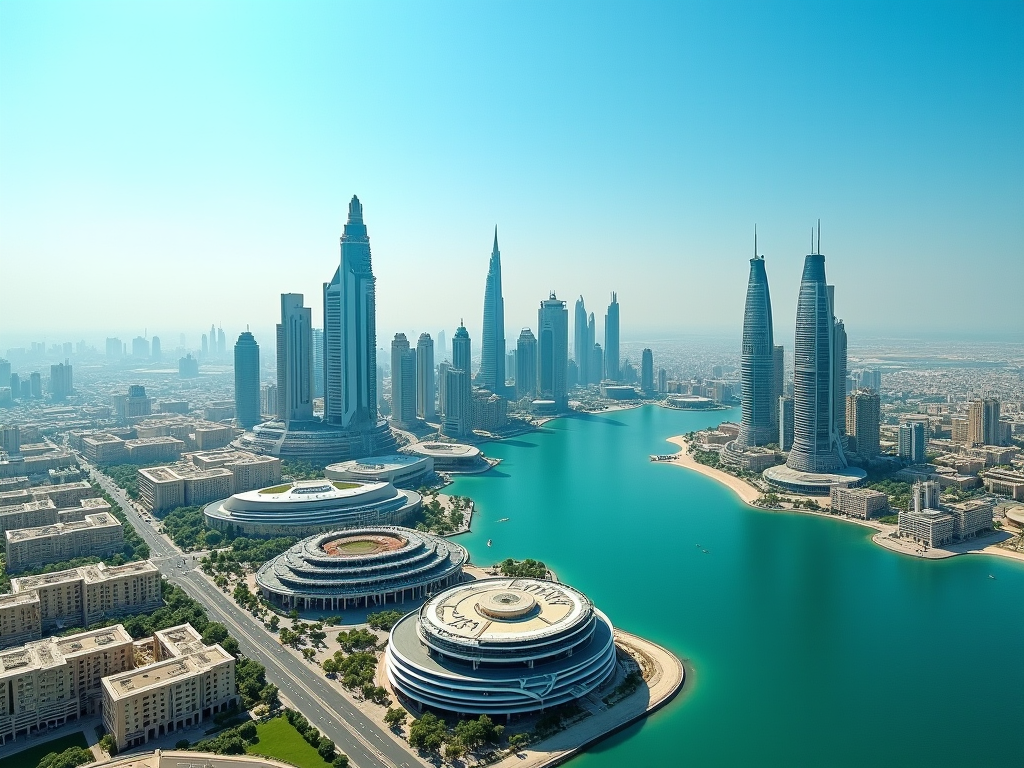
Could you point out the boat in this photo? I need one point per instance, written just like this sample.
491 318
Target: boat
488 542
991 576
503 520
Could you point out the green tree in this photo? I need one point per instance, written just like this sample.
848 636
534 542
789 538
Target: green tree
428 733
383 620
326 749
108 745
69 758
395 717
341 761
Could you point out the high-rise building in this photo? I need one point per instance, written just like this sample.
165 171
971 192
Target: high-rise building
863 413
294 360
581 342
403 381
597 358
757 361
553 351
205 345
817 440
458 404
662 380
425 377
983 422
593 374
647 371
442 346
778 381
222 342
492 350
213 339
611 340
871 378
114 348
61 380
5 372
572 374
155 348
247 381
526 364
188 367
839 372
140 347
462 351
785 419
268 399
442 385
318 362
911 442
350 331
35 386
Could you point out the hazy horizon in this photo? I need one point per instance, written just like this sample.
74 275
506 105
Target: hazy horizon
171 165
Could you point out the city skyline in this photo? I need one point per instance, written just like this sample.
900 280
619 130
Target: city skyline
923 165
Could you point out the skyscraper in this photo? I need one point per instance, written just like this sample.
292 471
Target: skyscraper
222 341
350 331
442 346
611 340
593 374
647 371
247 381
553 351
318 362
785 422
911 442
425 377
442 385
205 346
817 441
526 364
458 405
294 360
863 413
838 372
140 347
492 349
581 342
758 425
61 380
403 381
778 382
155 348
983 422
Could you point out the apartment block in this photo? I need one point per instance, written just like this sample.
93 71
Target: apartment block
78 597
19 619
969 518
99 535
862 503
927 526
146 449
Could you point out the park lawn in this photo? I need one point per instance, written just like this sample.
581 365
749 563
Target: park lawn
30 758
278 739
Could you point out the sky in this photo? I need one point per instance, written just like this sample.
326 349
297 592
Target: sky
168 165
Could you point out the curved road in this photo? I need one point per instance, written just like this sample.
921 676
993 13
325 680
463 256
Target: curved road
366 744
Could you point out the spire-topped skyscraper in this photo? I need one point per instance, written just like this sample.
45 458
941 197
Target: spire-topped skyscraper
757 361
817 439
350 331
582 346
611 340
492 349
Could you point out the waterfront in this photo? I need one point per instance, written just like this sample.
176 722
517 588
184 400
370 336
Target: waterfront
809 645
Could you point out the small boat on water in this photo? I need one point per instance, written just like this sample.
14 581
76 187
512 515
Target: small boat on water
991 576
503 520
488 542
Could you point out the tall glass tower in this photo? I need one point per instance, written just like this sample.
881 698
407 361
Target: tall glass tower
247 381
581 346
817 440
492 349
611 340
758 425
350 331
553 352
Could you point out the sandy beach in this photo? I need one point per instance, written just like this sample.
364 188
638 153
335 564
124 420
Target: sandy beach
741 488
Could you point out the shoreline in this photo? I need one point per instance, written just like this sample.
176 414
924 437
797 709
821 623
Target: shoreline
749 493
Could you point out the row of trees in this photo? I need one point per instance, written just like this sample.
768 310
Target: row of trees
323 745
432 734
528 568
438 520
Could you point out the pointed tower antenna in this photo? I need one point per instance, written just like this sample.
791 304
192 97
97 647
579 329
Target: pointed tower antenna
755 241
812 240
819 235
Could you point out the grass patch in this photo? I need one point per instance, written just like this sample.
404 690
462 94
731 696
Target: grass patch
279 739
277 488
341 486
29 758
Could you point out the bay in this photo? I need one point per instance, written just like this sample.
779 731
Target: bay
807 645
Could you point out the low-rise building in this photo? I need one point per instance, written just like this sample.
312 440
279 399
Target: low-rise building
27 515
146 449
1005 482
79 597
19 619
103 448
970 518
206 476
212 436
187 683
862 503
99 535
927 526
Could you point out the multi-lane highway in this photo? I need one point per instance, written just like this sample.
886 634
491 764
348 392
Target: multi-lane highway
366 744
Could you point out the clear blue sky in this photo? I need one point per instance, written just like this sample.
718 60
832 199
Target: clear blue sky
171 164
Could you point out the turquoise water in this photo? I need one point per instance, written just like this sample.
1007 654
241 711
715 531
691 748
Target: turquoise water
810 645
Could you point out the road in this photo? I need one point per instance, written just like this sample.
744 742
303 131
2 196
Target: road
302 684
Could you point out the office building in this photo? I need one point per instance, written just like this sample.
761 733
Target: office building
492 350
318 362
61 380
911 442
99 535
581 342
757 361
350 331
786 423
268 399
188 367
206 476
983 422
403 382
187 684
863 414
114 348
458 405
490 411
205 345
140 348
862 503
425 389
35 385
442 346
839 377
647 371
779 378
611 340
155 352
871 378
662 381
553 351
247 381
442 386
526 365
134 405
294 360
817 440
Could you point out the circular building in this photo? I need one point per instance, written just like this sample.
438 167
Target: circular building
450 457
399 469
500 647
312 506
317 441
371 566
786 478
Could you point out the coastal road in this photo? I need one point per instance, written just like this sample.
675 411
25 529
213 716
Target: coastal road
304 686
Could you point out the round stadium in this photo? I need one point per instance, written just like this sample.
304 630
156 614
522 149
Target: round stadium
312 506
367 566
450 457
500 647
